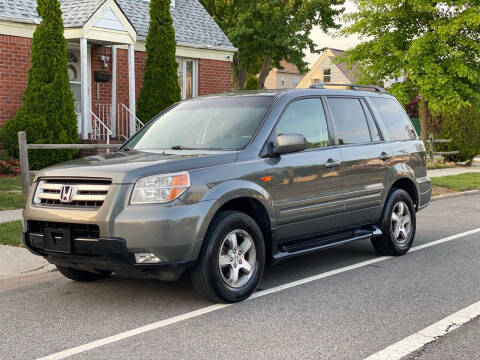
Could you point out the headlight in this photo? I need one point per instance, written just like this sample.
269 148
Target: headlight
160 188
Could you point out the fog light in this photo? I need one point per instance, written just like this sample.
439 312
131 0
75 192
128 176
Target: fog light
147 258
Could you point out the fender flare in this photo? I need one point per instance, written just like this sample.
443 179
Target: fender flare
230 190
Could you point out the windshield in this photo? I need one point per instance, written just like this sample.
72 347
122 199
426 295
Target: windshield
208 124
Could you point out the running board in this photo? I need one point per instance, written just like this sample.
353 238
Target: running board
316 244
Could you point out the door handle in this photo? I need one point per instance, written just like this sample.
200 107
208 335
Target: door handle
384 156
331 163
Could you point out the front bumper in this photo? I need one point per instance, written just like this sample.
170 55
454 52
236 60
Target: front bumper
107 254
174 232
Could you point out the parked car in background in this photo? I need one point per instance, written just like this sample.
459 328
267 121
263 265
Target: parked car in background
225 185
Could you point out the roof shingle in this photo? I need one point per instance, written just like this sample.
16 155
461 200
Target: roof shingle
193 25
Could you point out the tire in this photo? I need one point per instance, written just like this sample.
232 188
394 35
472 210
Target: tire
396 238
82 275
213 276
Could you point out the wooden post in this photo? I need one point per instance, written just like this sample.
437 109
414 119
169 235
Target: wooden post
24 167
431 141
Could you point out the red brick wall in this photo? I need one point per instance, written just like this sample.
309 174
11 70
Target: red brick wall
14 65
104 89
214 76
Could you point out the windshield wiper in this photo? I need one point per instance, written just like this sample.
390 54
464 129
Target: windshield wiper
181 147
126 148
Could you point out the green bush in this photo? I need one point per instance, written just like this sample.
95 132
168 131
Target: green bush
252 83
160 80
464 129
48 113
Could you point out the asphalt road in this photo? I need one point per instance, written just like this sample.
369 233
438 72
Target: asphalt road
348 315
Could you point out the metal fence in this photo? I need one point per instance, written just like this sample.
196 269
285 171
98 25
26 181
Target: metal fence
23 148
431 143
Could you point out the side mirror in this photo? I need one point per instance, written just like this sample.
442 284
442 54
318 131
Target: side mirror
290 143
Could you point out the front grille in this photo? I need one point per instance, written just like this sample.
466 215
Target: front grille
77 230
72 193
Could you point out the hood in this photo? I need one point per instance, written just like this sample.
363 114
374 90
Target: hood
126 167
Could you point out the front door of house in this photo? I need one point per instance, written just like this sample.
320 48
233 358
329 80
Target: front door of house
74 73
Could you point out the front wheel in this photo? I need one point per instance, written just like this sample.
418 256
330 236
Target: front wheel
398 225
232 259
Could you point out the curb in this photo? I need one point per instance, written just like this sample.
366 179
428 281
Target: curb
449 196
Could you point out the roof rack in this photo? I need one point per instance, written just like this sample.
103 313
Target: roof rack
350 86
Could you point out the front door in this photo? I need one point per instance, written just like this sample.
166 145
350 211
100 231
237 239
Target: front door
307 185
365 159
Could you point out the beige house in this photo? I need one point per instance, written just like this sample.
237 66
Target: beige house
326 71
288 78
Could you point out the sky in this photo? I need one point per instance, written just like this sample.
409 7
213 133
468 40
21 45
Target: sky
331 39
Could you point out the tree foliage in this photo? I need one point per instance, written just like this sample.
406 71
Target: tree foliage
48 113
464 130
435 45
252 83
160 80
266 32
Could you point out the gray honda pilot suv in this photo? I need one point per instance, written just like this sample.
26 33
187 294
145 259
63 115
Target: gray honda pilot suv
225 185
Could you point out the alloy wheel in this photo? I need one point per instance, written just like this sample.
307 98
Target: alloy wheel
401 226
237 258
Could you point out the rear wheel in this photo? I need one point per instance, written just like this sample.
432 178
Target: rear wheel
82 275
398 225
232 260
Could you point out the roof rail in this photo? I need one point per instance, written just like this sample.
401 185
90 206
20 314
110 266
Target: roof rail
350 86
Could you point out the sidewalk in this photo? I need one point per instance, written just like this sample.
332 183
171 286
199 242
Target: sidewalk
10 215
453 171
15 261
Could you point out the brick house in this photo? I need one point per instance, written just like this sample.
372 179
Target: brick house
106 51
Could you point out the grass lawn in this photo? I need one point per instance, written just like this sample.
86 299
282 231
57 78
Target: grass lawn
10 233
462 182
11 193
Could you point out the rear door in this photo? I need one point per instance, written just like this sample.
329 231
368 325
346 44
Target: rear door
306 186
366 159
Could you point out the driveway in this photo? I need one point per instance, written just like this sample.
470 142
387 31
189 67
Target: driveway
343 303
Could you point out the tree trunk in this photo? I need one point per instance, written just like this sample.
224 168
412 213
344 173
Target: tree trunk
424 119
239 79
239 74
264 72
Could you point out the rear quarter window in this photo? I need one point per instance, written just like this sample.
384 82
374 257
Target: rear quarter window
396 121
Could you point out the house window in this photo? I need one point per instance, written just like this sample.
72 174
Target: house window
327 75
295 81
188 77
282 80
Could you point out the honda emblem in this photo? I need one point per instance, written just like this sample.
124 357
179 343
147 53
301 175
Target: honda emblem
66 193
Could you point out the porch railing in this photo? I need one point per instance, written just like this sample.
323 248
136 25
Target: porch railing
100 131
124 116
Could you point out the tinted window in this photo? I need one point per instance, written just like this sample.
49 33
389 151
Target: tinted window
305 117
217 123
394 118
371 123
349 120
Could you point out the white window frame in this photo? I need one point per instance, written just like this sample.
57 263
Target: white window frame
184 78
329 75
282 80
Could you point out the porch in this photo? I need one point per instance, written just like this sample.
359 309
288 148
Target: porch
101 66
